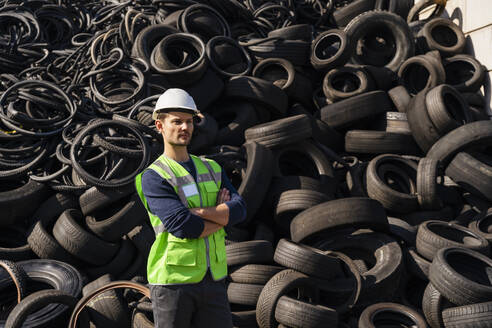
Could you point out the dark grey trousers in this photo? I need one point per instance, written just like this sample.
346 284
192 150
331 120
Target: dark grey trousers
203 304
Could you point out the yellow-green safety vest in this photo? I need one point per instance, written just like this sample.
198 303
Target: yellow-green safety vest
174 260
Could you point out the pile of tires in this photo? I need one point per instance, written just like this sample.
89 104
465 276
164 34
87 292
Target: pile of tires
356 133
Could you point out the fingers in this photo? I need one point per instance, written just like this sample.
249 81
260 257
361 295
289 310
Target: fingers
223 196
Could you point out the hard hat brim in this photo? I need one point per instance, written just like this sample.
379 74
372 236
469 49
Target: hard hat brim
156 112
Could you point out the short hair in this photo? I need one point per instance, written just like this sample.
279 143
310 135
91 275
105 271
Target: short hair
161 116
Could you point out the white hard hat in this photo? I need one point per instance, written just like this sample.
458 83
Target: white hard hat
177 99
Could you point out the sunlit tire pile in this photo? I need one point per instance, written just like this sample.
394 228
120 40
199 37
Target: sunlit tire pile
356 133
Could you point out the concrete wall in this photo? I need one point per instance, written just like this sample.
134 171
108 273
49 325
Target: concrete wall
475 19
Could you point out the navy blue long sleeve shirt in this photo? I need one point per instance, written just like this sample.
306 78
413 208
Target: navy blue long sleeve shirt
176 217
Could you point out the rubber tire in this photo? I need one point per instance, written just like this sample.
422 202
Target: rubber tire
431 43
360 25
109 308
378 189
279 285
458 73
36 301
249 252
367 316
332 60
80 243
308 260
471 174
477 315
380 142
429 242
244 294
257 274
457 288
355 212
296 313
346 112
471 134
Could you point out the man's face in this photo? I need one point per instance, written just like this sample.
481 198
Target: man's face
176 128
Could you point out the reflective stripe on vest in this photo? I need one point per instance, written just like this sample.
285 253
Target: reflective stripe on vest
174 260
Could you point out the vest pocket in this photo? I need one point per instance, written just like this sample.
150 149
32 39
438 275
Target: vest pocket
181 251
220 250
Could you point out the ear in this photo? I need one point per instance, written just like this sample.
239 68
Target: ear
159 125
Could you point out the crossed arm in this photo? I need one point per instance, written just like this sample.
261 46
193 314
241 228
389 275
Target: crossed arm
214 217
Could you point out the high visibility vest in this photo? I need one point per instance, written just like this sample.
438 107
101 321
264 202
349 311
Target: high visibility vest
174 260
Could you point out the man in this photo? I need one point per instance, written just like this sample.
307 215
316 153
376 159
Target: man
189 201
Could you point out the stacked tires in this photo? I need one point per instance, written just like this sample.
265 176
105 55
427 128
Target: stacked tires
356 133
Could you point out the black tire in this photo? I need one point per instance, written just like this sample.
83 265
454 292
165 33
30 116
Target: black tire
434 235
446 108
95 198
343 15
424 131
55 205
417 265
296 313
330 50
432 305
352 110
14 197
464 73
481 224
148 38
122 260
295 51
402 230
294 201
400 97
35 302
257 91
421 72
477 315
259 168
282 73
59 276
14 246
112 228
308 260
18 276
107 309
380 142
186 72
471 134
280 132
227 57
244 319
80 243
427 172
365 23
233 119
45 246
294 32
244 294
249 252
142 237
443 35
391 314
305 158
257 274
472 173
400 196
355 212
460 275
345 82
379 260
420 6
280 284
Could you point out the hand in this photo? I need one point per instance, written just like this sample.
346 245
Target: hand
223 196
